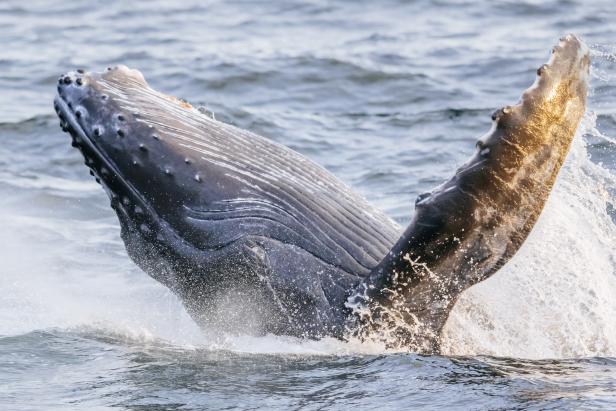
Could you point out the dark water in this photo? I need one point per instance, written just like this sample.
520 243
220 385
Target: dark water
390 96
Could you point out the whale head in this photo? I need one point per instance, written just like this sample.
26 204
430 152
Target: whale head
141 146
205 207
115 119
148 176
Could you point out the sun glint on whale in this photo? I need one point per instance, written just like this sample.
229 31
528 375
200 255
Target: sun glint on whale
256 238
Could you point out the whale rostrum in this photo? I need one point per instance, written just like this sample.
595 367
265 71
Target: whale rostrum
256 238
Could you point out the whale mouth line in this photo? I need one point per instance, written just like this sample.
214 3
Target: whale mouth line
157 229
86 143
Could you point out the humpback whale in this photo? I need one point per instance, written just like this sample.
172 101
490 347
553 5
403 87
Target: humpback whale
255 238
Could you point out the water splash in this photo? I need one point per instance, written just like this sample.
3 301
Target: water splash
555 297
74 276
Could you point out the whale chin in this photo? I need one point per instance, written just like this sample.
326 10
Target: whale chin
256 238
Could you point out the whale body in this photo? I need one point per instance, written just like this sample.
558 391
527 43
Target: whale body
256 238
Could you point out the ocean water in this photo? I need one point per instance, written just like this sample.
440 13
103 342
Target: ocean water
390 96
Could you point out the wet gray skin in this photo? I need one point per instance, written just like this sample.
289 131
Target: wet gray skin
255 238
252 236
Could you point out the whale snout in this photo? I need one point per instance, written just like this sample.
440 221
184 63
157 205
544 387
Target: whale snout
94 123
113 143
84 95
134 143
89 105
77 115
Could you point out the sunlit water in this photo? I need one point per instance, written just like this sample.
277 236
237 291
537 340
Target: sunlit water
388 96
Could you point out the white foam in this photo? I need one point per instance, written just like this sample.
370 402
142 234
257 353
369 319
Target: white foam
555 298
75 276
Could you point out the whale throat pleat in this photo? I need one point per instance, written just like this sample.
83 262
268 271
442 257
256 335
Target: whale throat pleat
316 210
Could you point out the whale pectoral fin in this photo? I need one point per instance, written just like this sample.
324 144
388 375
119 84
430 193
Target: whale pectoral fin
470 226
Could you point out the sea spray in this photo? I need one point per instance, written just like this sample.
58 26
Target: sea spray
555 298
